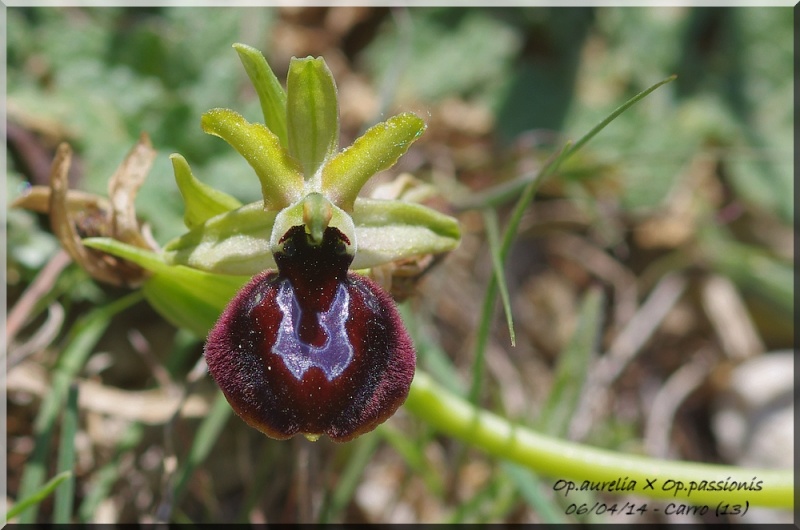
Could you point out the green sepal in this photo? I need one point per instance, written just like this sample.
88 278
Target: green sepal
270 92
376 150
242 241
192 302
186 297
279 173
235 242
394 230
201 201
312 113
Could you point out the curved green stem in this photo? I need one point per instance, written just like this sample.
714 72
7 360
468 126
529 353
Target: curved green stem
568 461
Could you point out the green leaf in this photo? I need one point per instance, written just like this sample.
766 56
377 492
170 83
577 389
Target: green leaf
490 219
235 242
38 496
270 92
187 297
195 303
202 202
65 494
281 180
312 113
752 268
761 170
437 54
376 150
390 230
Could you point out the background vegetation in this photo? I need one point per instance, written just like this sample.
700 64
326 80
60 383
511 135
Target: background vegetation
648 273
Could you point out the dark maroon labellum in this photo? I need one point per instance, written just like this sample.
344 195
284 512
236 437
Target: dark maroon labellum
312 348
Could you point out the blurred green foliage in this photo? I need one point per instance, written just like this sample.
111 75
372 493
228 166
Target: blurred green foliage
561 69
106 74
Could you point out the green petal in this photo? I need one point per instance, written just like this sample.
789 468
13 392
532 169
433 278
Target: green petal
281 180
376 150
312 113
240 242
201 201
235 242
392 230
270 92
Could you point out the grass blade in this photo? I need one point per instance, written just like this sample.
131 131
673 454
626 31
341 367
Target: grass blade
487 309
530 487
206 437
38 496
562 401
83 337
573 365
430 355
105 478
350 477
492 234
516 217
414 456
619 110
65 493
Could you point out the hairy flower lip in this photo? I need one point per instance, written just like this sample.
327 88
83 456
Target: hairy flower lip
312 349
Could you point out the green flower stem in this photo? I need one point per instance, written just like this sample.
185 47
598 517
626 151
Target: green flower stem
569 461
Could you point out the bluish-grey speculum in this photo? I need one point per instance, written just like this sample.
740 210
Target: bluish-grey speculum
298 356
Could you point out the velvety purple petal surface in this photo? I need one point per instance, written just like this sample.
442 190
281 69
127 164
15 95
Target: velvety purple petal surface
313 349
